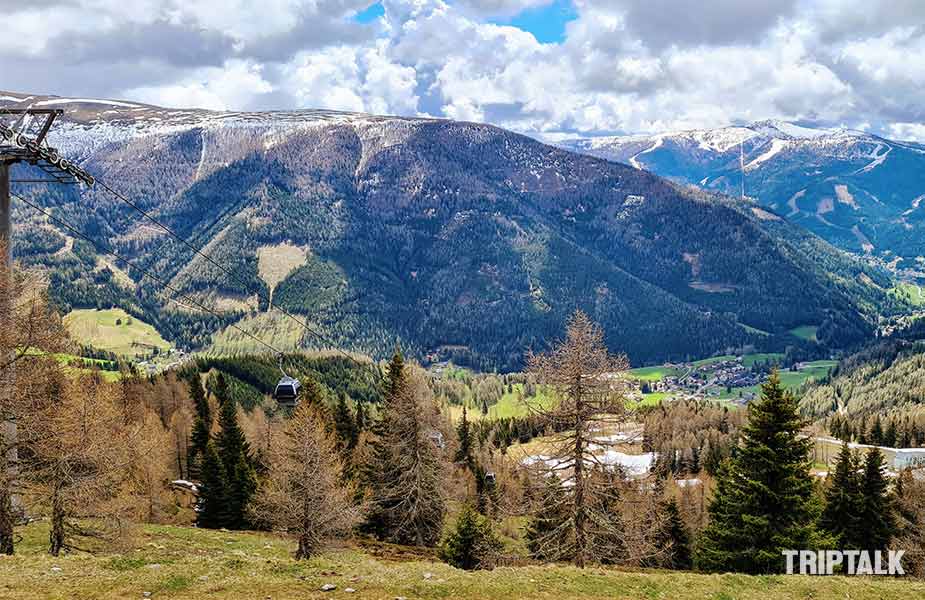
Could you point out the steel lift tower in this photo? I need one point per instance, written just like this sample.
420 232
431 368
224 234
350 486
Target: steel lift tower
17 146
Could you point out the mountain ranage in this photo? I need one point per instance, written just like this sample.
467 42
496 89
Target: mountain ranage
859 191
458 240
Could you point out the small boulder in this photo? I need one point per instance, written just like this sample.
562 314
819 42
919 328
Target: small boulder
328 587
349 590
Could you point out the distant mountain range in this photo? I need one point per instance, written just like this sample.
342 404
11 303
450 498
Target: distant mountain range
859 191
457 240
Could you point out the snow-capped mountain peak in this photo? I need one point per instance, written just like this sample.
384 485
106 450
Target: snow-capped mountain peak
853 188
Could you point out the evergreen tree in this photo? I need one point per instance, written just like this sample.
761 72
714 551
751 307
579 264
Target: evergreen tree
198 396
863 433
549 523
674 536
200 437
464 435
234 452
876 432
313 395
877 515
472 544
396 372
549 535
221 388
904 438
202 425
889 434
344 426
843 502
379 467
763 501
405 469
213 492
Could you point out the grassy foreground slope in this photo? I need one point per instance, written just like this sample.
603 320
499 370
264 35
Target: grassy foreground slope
176 562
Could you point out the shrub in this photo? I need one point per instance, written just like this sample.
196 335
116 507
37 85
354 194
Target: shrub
472 544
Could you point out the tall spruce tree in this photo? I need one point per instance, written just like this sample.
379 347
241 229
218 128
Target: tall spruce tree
220 389
344 426
466 458
763 502
396 372
876 432
406 465
202 425
234 452
890 434
213 491
376 471
673 537
464 437
550 521
843 502
878 513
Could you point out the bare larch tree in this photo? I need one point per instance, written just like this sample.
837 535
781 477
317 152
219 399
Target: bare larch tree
588 385
28 327
304 491
79 458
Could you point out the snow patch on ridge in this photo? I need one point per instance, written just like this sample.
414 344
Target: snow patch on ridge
57 101
877 159
658 143
776 146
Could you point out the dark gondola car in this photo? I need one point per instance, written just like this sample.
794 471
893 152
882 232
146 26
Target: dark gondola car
287 391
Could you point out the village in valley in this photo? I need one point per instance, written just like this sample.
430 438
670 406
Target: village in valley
730 378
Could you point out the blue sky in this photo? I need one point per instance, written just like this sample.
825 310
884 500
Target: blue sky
370 14
546 23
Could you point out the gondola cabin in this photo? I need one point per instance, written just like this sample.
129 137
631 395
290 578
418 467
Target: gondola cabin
287 392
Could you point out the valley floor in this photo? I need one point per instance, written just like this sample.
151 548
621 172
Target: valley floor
180 562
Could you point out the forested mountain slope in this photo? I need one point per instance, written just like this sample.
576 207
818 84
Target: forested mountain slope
859 191
457 239
885 378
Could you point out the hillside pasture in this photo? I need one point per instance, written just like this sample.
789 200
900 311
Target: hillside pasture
179 563
113 330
